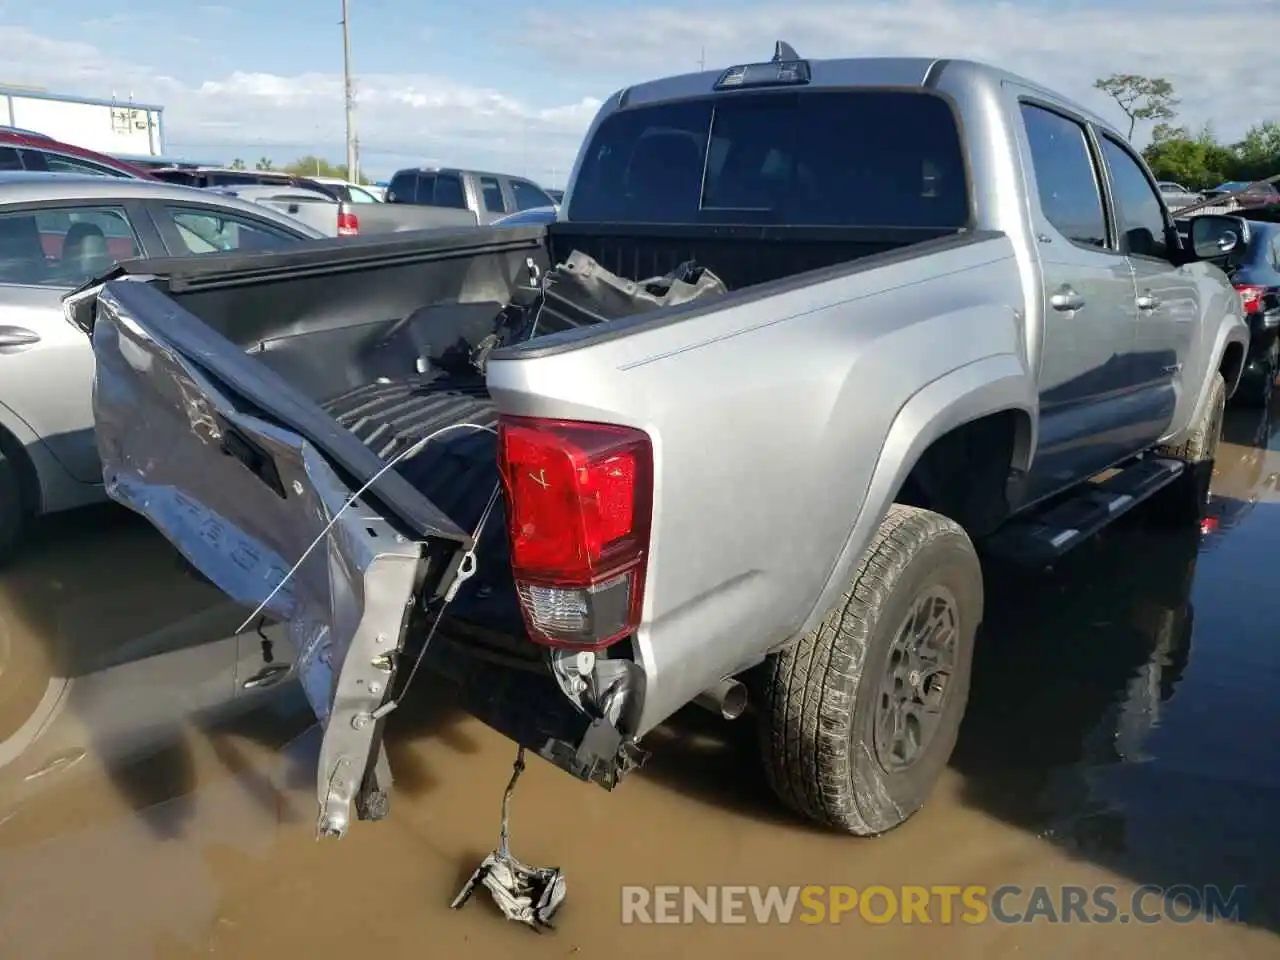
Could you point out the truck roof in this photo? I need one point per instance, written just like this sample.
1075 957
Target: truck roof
461 171
922 72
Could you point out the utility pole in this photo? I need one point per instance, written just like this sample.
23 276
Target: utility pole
702 59
353 158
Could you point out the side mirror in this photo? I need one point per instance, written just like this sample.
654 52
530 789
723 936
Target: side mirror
1213 236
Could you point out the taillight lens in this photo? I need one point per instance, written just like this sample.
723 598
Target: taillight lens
348 224
1251 296
579 500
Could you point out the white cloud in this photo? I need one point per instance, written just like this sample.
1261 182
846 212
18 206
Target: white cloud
1221 56
1218 55
401 119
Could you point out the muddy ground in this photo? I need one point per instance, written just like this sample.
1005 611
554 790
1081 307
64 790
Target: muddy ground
1124 729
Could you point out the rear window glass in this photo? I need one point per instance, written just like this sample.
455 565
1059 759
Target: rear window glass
864 158
402 187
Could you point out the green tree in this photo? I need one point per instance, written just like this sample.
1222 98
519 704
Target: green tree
1141 98
1194 161
264 163
1200 160
237 164
1258 154
313 166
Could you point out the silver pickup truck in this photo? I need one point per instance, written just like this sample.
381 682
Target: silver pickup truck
914 312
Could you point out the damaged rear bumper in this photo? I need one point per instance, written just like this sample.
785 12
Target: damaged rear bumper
228 463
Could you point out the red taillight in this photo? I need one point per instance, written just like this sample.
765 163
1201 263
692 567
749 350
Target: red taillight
1251 296
348 224
579 499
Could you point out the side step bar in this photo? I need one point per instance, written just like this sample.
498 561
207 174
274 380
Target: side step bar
1041 538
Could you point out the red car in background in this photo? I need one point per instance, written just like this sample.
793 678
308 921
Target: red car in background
27 150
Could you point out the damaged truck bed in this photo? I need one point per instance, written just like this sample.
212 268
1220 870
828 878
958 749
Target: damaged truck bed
744 412
242 400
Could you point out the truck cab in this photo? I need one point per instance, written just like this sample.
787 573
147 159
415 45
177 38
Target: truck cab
927 308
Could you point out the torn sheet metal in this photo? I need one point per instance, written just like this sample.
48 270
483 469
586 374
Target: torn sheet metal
242 500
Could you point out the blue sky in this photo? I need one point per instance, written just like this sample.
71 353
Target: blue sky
512 85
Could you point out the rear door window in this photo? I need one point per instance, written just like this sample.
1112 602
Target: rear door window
491 190
9 159
213 231
1067 183
64 246
822 158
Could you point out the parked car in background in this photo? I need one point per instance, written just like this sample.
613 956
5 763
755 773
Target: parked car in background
1255 273
226 177
37 152
1247 195
151 162
557 196
350 192
347 218
526 217
487 196
1176 196
56 231
320 211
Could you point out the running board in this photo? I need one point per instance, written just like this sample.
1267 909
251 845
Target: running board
1041 538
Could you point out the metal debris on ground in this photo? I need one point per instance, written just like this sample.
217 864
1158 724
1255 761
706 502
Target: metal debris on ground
530 895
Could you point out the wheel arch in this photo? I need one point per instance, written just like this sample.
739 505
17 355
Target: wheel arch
994 392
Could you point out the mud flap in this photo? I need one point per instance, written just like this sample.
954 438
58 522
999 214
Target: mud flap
259 510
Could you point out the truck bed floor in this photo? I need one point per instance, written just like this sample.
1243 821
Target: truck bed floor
457 472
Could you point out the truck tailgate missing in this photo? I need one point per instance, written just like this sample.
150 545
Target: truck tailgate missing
350 600
242 400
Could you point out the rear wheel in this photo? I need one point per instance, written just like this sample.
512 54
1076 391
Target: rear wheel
861 716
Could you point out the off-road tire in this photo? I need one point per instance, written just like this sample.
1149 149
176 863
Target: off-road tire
13 510
1187 497
817 722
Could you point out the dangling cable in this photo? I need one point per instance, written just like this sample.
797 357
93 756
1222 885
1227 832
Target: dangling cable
404 454
466 569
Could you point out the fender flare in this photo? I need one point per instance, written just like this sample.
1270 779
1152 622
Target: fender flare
1231 331
990 385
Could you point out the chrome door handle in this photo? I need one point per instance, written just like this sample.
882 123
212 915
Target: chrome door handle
1148 301
1066 299
17 337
